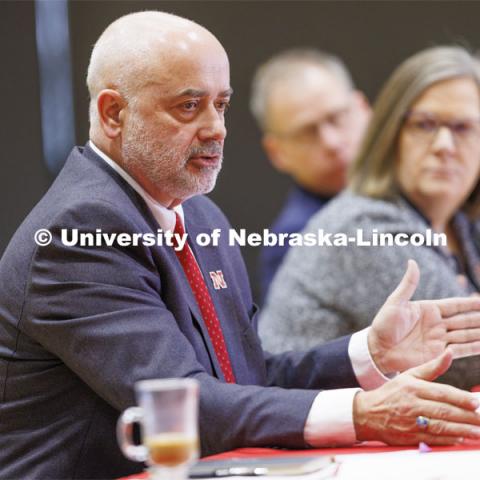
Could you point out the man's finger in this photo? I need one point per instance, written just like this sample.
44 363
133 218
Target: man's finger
445 396
453 429
414 438
463 336
461 350
434 368
463 320
447 412
437 439
406 288
452 306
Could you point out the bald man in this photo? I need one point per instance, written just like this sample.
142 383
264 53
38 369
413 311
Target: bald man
312 121
80 323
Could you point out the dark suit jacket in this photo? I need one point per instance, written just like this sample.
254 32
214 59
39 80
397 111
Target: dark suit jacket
80 325
299 207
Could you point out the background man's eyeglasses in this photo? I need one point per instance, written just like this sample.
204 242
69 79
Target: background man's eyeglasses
310 132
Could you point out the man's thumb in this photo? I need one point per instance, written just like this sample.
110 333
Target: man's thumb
434 368
406 288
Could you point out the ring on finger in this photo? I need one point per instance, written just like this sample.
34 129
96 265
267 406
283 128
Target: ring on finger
422 423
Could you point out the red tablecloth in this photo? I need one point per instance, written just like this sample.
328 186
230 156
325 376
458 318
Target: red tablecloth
368 447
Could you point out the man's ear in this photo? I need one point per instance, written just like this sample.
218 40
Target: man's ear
109 106
275 153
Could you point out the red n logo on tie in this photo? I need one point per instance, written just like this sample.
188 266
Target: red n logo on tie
218 280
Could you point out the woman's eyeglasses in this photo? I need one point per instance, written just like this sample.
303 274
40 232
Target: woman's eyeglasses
425 126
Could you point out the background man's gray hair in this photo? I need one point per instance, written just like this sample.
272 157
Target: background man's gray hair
286 66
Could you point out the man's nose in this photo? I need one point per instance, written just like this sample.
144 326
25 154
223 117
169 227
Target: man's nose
212 125
444 141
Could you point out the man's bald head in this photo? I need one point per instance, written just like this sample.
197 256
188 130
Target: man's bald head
128 53
159 87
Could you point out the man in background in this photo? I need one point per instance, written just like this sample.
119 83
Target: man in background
312 121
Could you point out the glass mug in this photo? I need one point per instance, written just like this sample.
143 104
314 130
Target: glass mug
168 417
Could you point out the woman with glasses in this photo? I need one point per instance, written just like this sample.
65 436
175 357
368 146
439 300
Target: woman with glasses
414 193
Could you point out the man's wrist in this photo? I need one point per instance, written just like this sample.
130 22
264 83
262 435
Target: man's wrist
377 353
368 374
360 416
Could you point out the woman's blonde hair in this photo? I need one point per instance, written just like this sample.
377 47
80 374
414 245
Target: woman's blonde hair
373 172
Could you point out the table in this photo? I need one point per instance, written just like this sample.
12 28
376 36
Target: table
364 448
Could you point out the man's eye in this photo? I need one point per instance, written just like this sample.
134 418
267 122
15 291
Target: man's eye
338 118
189 106
223 106
310 130
461 128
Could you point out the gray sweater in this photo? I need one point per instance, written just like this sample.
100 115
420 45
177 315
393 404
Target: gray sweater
321 293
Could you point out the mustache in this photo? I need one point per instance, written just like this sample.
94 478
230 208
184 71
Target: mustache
208 149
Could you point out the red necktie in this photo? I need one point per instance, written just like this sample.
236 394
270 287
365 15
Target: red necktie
204 302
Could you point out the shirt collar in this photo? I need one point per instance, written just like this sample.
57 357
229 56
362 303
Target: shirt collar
163 215
307 193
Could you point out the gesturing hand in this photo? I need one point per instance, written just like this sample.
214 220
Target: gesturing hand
405 334
389 413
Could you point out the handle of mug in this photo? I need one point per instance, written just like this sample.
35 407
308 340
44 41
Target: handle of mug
137 453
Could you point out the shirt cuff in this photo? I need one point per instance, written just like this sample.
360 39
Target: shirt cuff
330 421
368 375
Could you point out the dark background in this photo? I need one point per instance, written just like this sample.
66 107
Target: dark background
372 38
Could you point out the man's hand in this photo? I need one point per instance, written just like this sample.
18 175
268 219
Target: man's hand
405 334
389 413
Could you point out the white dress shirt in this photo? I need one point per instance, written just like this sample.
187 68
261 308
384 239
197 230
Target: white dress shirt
330 420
